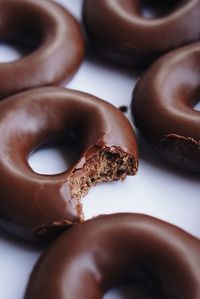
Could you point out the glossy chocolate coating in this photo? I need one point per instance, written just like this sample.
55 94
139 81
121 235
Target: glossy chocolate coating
120 31
113 250
162 106
49 36
42 116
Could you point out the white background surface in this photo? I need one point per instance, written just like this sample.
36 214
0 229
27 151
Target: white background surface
157 190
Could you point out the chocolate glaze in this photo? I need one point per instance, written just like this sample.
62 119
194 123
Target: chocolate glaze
49 36
162 106
119 30
157 258
48 203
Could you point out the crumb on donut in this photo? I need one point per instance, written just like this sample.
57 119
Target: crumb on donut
123 108
108 164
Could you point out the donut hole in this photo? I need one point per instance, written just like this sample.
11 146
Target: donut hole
21 31
152 9
197 106
13 49
126 292
141 285
54 157
9 53
136 291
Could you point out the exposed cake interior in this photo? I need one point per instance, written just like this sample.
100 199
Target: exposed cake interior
107 164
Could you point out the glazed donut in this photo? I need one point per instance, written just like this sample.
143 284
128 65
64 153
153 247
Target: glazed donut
119 30
159 259
162 106
45 204
48 34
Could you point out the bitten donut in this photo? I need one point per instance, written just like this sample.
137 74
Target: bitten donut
103 135
158 259
51 39
163 107
119 29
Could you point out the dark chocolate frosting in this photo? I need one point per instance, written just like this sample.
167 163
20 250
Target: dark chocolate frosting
163 107
119 29
50 38
103 135
159 259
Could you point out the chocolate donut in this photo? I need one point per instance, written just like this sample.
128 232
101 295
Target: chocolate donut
46 204
162 106
157 258
119 29
49 36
